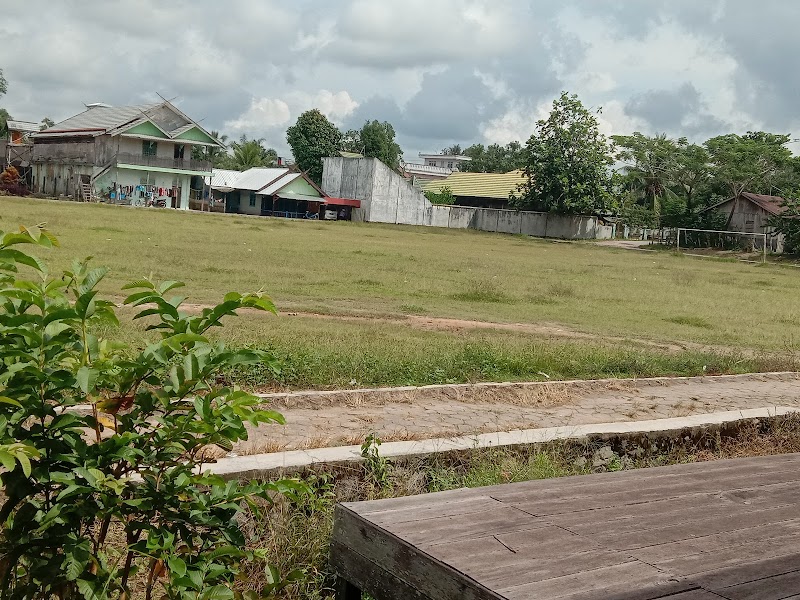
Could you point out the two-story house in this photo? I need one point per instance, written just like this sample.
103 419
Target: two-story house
125 153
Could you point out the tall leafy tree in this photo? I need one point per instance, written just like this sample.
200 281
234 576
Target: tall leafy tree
214 154
312 138
46 123
756 162
4 116
692 173
567 162
454 150
378 142
3 84
493 158
247 153
650 165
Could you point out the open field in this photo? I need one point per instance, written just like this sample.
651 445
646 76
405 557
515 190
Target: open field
563 309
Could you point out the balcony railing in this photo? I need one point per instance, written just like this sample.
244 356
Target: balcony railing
185 164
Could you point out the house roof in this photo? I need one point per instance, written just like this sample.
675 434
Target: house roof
278 184
100 119
771 204
258 178
478 185
222 179
25 126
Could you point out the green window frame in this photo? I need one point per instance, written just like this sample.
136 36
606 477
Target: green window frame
252 198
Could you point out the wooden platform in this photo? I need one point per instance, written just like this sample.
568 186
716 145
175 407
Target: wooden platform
703 531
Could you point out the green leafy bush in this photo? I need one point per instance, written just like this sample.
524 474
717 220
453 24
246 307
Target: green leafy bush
102 454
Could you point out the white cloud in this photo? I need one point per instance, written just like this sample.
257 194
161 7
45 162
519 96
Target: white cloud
266 114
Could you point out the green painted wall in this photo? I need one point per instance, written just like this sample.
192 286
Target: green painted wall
300 186
195 135
146 128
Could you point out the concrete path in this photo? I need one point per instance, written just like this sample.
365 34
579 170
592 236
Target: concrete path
321 419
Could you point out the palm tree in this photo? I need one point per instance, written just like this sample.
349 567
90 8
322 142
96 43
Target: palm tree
251 153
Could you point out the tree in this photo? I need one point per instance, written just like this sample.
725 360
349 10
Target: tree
247 154
129 467
46 123
312 138
4 119
567 162
378 142
493 158
213 154
3 84
443 196
454 150
756 162
650 165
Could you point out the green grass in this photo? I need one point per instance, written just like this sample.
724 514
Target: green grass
370 269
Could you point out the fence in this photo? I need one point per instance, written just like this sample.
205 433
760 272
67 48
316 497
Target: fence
537 224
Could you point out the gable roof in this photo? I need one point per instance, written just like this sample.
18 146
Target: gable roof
263 180
99 119
478 185
771 204
25 126
258 178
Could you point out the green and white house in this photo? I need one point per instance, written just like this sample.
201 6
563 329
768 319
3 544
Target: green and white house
128 154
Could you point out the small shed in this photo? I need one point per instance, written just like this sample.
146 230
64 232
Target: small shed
750 213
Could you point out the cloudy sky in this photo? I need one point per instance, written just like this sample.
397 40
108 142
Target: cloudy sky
440 71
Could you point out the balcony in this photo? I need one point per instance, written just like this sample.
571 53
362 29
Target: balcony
178 164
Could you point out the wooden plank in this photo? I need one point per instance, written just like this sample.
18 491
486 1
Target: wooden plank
778 587
378 551
634 580
712 543
721 580
447 508
459 527
656 536
647 493
711 504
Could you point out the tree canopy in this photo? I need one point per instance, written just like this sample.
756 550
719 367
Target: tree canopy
375 139
567 162
312 138
3 84
246 154
493 158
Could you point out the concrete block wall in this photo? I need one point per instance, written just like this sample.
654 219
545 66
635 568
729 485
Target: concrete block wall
386 197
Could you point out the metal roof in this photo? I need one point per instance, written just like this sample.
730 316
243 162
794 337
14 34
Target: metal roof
98 119
279 184
25 126
258 178
771 204
478 185
222 178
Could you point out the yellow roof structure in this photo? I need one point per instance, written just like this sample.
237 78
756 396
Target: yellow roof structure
478 185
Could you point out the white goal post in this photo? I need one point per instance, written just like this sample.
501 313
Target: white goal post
755 236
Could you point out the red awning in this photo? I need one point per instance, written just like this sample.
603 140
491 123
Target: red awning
341 202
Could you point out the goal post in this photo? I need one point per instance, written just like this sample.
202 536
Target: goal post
721 240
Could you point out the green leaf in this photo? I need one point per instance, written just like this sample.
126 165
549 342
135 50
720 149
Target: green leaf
86 378
16 256
11 401
166 286
218 592
139 283
176 565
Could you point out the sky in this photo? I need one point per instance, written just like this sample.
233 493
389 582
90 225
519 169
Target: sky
442 72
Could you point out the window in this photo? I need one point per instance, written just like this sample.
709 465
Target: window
149 148
450 165
179 148
252 198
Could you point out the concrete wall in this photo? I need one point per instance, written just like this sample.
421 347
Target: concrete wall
387 197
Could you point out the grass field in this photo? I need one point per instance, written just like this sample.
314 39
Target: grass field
735 317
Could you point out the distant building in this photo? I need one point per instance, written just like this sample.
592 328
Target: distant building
17 150
275 192
444 161
750 213
121 153
486 190
420 174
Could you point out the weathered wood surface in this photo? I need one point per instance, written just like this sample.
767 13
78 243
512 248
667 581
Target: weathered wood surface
702 531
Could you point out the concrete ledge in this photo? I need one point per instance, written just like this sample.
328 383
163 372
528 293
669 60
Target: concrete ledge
257 464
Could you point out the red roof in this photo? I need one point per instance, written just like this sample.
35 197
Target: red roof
341 202
771 204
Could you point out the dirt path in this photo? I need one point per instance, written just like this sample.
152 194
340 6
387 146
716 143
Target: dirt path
318 419
546 330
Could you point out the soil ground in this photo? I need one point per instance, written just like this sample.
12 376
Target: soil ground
318 419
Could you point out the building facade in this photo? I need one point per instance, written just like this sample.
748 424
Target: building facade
127 154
